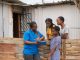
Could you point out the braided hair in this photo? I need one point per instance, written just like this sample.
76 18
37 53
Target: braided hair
50 20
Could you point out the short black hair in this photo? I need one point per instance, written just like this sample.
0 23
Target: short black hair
49 19
56 28
61 18
32 23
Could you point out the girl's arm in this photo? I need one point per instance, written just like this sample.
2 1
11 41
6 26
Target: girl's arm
52 52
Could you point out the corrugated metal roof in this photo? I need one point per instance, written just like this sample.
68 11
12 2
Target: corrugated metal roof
59 3
34 2
16 2
20 3
13 2
77 2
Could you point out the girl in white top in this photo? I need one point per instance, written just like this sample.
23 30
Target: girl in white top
64 31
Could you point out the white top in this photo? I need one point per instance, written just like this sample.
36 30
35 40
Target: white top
64 30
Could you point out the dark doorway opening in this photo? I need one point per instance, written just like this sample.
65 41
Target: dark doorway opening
16 25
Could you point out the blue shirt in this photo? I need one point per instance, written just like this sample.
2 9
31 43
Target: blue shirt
29 35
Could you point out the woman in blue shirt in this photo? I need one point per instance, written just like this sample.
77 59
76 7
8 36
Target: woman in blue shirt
31 38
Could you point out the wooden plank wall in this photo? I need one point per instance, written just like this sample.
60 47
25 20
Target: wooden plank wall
11 49
72 49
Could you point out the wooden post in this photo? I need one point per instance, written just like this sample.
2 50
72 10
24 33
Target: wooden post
19 25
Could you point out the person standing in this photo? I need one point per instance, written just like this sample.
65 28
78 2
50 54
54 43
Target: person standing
64 31
49 26
31 38
55 45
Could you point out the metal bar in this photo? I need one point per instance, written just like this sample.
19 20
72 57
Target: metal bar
2 19
74 28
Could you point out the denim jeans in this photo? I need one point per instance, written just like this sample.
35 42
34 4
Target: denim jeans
32 57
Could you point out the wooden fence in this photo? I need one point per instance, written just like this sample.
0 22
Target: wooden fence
11 49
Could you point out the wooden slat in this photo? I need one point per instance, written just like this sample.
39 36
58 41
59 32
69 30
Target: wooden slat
12 48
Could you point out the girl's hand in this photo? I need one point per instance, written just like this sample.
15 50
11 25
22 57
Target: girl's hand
49 58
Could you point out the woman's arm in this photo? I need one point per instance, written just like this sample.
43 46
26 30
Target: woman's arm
65 36
51 52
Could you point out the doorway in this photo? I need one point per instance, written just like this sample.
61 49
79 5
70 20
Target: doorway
16 25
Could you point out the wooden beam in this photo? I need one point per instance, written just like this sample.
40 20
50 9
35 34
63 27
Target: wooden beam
16 4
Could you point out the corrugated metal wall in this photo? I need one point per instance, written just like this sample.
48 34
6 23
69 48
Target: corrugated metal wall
69 12
39 14
6 22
